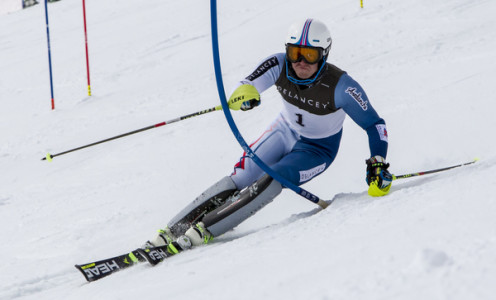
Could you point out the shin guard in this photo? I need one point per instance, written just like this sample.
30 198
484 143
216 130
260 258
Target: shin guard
209 200
241 206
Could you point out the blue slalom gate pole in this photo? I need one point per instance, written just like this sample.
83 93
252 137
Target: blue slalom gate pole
232 124
49 54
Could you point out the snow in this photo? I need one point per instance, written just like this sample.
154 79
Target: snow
9 6
427 67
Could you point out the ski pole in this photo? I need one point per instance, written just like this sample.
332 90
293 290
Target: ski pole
395 177
49 156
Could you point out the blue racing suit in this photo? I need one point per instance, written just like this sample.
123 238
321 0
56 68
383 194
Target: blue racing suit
304 139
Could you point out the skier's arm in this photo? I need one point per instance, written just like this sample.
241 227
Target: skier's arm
351 97
247 92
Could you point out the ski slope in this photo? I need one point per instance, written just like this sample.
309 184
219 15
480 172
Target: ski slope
9 6
428 69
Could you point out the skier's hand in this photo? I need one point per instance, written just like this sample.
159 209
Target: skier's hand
378 177
245 97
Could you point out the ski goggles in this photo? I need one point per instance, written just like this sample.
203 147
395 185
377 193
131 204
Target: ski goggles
310 55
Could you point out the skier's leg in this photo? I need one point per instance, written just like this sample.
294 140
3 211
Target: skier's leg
276 141
209 200
256 189
308 159
237 208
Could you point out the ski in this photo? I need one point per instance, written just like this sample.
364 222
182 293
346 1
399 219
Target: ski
154 255
99 269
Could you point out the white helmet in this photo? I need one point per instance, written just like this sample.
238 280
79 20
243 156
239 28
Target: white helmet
312 33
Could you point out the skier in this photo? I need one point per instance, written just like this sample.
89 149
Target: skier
300 144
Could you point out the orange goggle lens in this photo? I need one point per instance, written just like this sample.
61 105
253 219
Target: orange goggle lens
309 55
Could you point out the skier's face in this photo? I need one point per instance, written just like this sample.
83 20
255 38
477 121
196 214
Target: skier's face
304 70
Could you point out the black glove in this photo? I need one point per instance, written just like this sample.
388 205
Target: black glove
247 105
378 177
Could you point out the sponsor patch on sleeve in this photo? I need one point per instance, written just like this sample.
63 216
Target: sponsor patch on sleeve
264 67
382 130
357 96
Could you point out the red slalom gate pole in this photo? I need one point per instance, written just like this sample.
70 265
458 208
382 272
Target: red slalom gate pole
86 44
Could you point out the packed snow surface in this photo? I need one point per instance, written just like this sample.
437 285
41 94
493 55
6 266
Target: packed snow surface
9 6
428 69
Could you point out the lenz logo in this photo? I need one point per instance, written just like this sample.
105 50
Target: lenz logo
352 91
95 270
